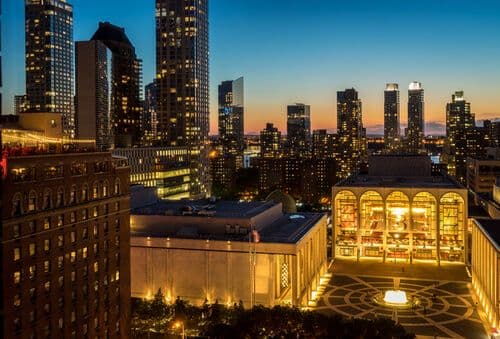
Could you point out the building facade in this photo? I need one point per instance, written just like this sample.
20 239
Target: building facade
416 121
19 104
351 134
392 129
270 142
324 144
126 74
165 168
486 267
409 216
298 124
231 119
49 60
149 119
482 174
94 84
65 246
200 258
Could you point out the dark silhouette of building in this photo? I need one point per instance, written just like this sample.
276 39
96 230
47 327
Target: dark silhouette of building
126 105
65 246
392 129
49 60
351 134
299 130
231 127
416 130
461 137
94 85
182 75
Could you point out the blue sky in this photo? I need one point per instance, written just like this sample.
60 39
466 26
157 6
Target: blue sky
303 51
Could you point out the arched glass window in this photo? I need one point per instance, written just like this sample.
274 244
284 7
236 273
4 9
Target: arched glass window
424 223
346 223
451 227
17 205
95 190
398 212
32 201
105 188
372 224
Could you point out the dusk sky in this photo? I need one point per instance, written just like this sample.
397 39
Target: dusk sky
304 51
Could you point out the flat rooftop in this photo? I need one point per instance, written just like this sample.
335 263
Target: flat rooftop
492 229
288 229
198 208
363 180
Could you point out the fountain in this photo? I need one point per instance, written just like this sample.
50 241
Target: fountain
394 298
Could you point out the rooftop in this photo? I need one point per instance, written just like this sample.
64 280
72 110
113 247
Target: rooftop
203 207
404 182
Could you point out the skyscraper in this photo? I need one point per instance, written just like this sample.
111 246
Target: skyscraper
416 131
231 110
182 71
93 93
392 131
19 104
270 142
351 134
126 105
325 145
49 59
150 112
461 141
182 76
299 130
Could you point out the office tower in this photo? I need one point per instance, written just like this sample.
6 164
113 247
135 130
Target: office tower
231 110
299 130
126 105
351 134
150 113
182 76
65 246
19 104
270 142
93 93
49 60
325 145
392 131
461 140
415 132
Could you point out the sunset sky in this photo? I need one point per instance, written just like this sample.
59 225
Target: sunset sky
304 51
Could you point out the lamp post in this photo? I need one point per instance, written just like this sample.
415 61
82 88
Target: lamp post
180 324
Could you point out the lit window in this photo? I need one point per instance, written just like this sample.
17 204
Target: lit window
46 223
17 277
32 249
17 254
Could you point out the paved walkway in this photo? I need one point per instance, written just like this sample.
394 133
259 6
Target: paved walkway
446 309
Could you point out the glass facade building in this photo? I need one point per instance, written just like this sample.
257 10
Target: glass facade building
416 130
49 60
392 130
299 130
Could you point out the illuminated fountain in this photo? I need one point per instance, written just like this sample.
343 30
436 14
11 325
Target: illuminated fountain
395 298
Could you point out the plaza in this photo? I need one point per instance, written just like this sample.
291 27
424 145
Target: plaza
446 308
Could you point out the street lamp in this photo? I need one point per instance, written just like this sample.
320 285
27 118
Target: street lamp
180 324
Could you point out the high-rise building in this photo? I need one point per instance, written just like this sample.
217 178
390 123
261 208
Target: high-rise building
416 130
93 93
461 141
392 130
231 110
19 104
126 68
150 113
325 145
182 76
65 246
351 134
270 142
299 130
49 59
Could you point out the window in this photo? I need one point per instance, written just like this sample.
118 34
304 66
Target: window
95 191
17 277
73 257
16 231
46 266
46 245
47 286
117 186
17 300
73 276
60 280
85 192
47 199
72 195
17 208
96 267
46 223
117 206
84 214
95 230
84 252
60 262
32 249
105 227
17 254
60 220
32 272
32 226
60 240
32 201
73 237
72 216
95 212
60 197
105 188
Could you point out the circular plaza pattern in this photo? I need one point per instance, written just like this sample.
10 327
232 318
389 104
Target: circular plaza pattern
445 309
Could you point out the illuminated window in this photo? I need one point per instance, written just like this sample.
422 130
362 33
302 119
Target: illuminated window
32 201
451 227
346 223
372 223
17 208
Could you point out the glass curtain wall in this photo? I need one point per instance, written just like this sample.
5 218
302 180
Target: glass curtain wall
346 223
372 224
451 227
424 224
398 225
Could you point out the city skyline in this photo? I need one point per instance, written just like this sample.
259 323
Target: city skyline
341 62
